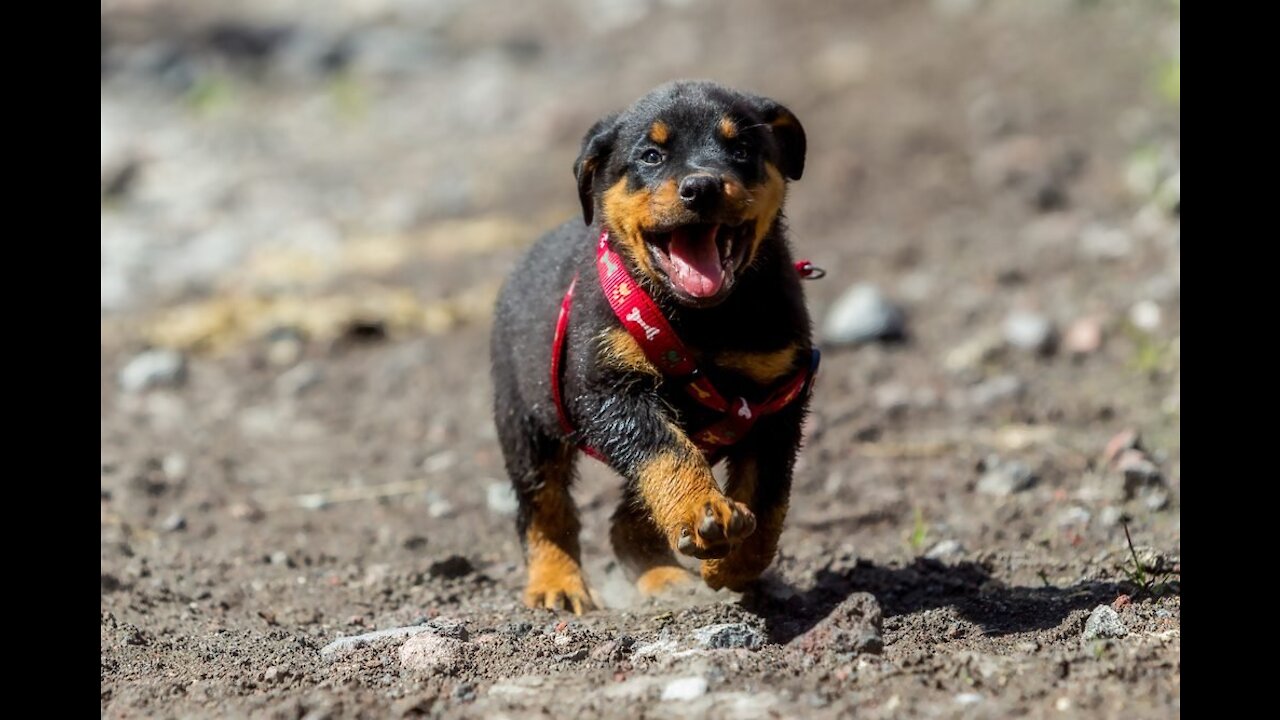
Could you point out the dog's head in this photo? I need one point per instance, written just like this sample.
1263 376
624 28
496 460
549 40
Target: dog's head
689 180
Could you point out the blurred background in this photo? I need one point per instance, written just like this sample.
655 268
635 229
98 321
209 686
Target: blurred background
308 207
275 145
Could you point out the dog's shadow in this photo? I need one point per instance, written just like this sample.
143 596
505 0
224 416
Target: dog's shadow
969 588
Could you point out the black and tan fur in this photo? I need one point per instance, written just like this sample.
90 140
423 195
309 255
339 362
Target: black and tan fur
752 335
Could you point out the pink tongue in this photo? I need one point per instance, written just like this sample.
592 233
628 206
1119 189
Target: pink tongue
695 262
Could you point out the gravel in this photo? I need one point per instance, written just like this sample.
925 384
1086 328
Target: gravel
729 635
1004 478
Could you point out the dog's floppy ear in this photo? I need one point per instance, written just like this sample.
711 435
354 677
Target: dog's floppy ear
596 146
787 131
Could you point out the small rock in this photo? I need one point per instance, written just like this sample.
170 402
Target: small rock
1105 243
345 645
280 557
454 566
575 656
995 390
152 369
246 511
1074 515
968 698
174 523
1156 499
1104 623
1138 471
299 379
313 501
729 635
285 350
439 462
1029 331
1110 516
1005 478
657 648
854 626
863 314
1062 704
1157 562
501 498
439 508
449 627
973 352
613 650
1145 315
1126 439
432 653
892 397
466 692
415 542
1121 603
1083 337
516 629
689 688
945 549
174 466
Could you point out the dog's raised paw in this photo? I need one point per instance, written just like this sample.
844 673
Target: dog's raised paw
714 528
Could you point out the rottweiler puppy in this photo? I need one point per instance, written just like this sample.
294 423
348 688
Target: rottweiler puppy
687 187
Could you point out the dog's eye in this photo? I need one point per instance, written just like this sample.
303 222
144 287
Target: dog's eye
651 157
741 155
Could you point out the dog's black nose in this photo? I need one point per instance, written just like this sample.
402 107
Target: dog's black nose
699 190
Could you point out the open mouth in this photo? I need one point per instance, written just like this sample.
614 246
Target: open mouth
700 259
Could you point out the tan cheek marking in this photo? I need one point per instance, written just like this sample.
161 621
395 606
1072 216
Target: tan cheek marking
762 367
619 350
766 202
631 213
659 132
734 191
728 128
627 213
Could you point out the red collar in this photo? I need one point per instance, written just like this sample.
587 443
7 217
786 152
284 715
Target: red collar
644 321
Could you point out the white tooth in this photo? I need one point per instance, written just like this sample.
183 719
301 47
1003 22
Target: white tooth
728 247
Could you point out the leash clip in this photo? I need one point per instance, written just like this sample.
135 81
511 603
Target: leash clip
809 271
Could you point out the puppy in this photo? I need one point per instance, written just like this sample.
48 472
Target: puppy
664 333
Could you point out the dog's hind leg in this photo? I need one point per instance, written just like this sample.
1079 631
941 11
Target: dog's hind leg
642 549
542 470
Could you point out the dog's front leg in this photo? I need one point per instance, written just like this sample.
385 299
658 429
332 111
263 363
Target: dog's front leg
666 474
760 476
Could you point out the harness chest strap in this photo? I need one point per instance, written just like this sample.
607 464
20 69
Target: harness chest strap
644 321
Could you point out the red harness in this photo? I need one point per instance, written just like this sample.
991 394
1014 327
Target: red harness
641 318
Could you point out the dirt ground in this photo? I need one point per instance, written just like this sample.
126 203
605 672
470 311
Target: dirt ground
310 209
